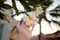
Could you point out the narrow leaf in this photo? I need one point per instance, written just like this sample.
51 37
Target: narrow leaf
6 6
14 6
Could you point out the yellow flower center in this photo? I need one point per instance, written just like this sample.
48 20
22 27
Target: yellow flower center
30 18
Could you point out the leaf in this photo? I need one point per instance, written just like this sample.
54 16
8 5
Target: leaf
56 22
1 15
21 21
14 6
2 1
22 12
26 5
6 6
55 15
45 3
29 3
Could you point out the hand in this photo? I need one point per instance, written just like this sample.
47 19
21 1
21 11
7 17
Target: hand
24 31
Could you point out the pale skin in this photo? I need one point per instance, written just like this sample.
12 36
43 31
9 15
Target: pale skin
21 34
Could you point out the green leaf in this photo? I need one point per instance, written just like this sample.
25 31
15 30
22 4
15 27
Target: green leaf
2 1
1 15
21 21
14 6
27 5
6 6
45 3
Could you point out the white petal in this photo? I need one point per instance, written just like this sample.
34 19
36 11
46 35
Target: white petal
48 16
45 27
19 17
36 30
55 26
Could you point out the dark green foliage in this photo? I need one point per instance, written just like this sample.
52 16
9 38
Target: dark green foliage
45 3
21 21
55 15
2 1
1 15
6 6
55 12
34 3
28 3
14 6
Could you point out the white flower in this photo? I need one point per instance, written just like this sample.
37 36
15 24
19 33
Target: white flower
30 20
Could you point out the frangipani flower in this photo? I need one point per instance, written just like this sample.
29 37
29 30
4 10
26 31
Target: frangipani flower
30 20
